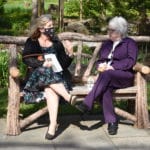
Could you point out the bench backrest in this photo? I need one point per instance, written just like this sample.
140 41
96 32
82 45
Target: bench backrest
84 61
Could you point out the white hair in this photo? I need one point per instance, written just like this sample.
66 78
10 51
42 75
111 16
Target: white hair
120 25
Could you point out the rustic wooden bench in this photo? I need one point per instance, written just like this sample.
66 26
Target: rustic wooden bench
82 68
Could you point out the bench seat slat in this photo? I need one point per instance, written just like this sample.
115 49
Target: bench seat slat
84 90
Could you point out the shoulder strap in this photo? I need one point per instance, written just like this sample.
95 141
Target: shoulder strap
32 55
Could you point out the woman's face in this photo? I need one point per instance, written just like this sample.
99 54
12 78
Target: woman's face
48 29
114 35
49 25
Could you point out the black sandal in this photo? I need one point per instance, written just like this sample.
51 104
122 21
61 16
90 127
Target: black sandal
72 100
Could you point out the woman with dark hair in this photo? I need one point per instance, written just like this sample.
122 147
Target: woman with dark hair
44 81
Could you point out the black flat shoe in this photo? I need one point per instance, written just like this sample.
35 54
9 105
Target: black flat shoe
82 107
49 136
112 128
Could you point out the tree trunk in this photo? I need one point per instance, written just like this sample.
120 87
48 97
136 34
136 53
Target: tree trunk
34 11
40 7
81 10
61 15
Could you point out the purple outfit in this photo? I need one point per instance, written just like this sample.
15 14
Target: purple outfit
124 58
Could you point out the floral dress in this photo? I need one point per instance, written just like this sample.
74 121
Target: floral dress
41 78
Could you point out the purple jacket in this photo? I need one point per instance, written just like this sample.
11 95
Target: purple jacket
125 54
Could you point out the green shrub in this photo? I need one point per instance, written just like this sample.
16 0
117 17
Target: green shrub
3 102
15 21
72 8
3 68
4 58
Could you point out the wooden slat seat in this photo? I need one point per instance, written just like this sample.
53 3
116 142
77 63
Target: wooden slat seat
119 94
84 90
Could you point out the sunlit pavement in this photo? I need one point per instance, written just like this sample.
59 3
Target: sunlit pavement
77 132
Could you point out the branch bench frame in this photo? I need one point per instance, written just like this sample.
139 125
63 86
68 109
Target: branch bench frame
136 95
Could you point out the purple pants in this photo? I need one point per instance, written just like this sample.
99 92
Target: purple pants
103 88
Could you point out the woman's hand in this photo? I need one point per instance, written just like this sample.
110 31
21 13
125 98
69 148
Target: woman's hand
47 63
109 67
40 58
103 67
69 47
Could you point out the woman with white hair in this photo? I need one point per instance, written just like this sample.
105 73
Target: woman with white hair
117 57
43 82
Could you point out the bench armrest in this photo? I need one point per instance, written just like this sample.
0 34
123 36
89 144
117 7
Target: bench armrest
141 68
14 72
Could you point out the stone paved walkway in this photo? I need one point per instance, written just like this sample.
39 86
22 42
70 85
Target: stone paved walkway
76 132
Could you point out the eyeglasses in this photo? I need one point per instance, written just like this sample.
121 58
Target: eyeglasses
111 30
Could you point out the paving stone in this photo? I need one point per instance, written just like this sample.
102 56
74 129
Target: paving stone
132 143
76 132
128 131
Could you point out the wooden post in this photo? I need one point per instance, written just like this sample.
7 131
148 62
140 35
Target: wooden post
141 103
144 105
13 127
92 61
79 57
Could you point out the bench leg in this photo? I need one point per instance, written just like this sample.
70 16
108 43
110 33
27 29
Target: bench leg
141 103
13 126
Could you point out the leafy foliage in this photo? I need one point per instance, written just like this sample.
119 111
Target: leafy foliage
3 102
72 8
15 20
2 2
136 12
3 69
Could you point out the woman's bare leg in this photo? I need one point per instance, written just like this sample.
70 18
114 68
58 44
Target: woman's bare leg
52 104
60 89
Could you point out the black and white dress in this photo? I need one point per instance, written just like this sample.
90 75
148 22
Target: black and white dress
41 78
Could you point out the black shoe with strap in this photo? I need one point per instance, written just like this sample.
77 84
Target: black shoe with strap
73 100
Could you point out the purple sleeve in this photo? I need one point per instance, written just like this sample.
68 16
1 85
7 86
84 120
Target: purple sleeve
128 62
101 57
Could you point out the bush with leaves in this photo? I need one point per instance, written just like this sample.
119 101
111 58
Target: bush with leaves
2 2
3 69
